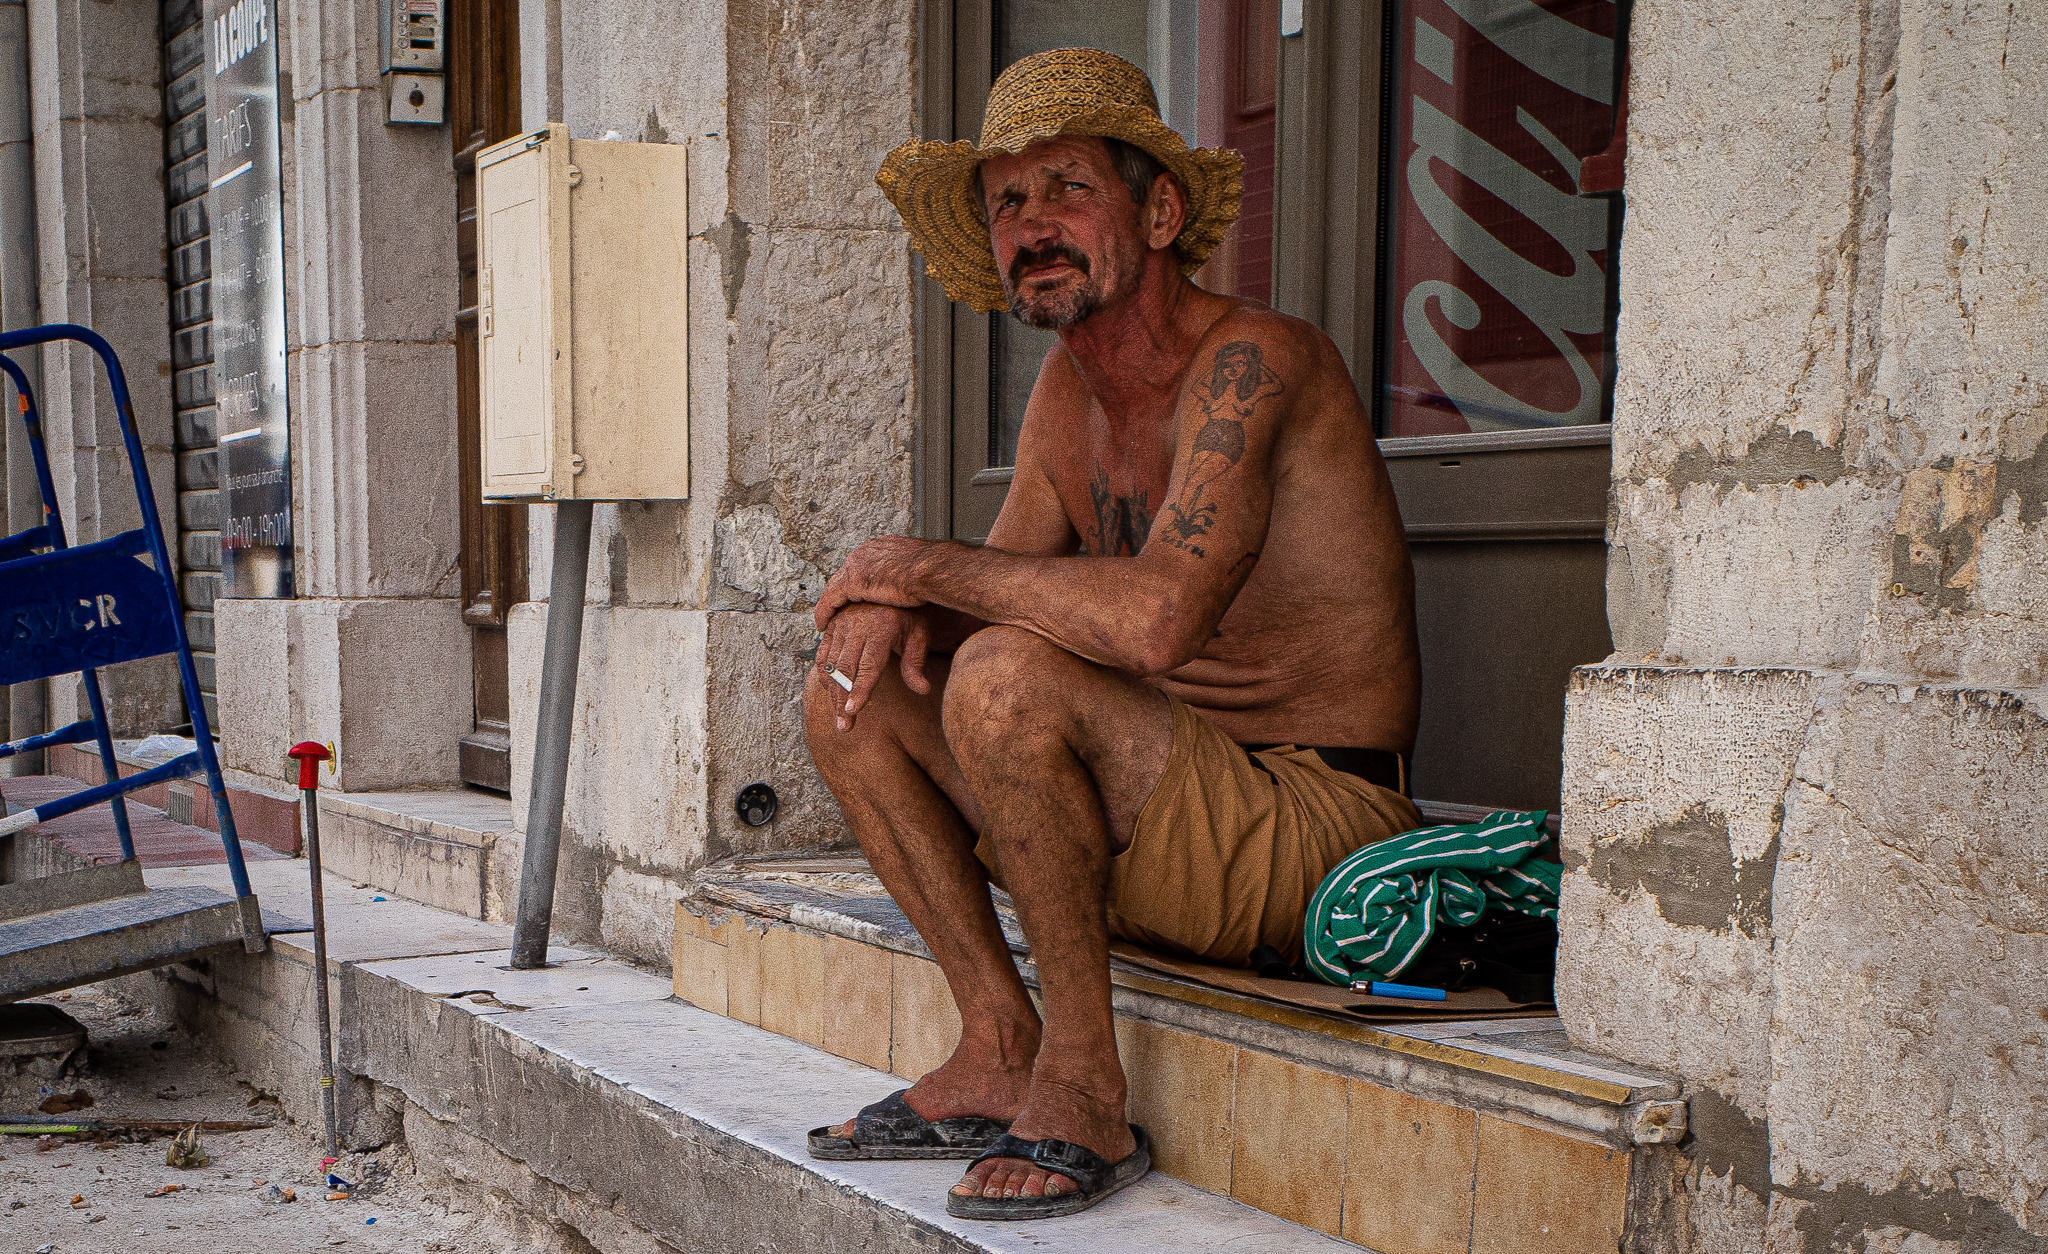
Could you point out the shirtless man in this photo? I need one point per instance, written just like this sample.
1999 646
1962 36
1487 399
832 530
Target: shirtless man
1068 707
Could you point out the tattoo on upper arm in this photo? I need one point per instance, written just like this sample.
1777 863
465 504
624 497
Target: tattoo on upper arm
1121 521
1236 385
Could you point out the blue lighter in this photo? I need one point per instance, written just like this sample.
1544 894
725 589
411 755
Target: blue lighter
1410 992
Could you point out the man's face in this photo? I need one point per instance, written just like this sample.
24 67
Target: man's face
1068 239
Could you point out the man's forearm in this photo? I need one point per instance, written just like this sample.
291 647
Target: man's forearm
1115 611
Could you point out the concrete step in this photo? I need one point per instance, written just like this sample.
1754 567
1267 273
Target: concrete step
265 818
87 837
71 888
1428 1136
593 1097
596 1079
1553 1147
79 944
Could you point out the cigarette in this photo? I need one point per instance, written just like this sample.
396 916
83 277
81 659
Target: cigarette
839 677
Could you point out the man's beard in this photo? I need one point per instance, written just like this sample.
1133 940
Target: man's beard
1062 307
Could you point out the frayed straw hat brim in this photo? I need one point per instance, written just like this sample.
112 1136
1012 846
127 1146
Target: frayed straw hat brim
932 184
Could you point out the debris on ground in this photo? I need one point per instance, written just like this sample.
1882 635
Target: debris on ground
267 1160
186 1153
65 1103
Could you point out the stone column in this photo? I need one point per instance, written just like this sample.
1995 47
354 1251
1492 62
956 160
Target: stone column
1802 800
96 106
698 633
373 653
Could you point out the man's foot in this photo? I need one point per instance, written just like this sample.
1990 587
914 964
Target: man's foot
1054 1112
961 1087
891 1129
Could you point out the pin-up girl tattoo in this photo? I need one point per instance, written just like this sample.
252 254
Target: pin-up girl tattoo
1234 388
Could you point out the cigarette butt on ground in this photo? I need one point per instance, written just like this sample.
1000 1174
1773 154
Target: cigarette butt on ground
840 677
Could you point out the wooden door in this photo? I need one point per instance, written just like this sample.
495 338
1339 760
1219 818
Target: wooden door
483 108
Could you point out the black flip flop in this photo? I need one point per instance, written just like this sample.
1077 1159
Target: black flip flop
891 1129
1096 1177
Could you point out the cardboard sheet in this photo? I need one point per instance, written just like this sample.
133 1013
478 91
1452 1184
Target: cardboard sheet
1474 1003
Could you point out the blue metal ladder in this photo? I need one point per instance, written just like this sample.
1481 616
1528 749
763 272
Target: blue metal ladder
65 609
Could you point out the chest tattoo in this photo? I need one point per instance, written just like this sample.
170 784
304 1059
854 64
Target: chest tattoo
1122 520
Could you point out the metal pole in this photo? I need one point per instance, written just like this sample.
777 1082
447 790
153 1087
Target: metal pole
310 755
551 735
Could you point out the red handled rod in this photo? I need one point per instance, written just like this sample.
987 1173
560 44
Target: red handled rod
310 755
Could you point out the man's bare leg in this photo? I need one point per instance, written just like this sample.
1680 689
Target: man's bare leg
911 810
1061 756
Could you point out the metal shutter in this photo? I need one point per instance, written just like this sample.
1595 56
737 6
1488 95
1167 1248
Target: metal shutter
191 274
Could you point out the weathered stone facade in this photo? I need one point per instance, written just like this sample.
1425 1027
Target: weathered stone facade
95 112
698 631
1802 798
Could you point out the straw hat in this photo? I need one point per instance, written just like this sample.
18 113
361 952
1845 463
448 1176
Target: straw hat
1067 91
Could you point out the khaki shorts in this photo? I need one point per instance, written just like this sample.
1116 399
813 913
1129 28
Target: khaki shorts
1226 854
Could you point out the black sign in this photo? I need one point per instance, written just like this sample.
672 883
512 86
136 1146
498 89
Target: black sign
245 203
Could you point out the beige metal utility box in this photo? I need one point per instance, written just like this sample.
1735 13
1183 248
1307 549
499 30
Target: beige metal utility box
583 320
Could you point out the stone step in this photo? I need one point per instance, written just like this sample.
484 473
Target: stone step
261 817
586 1092
95 940
1430 1136
694 1123
88 837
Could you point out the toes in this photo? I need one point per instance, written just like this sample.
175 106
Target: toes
1003 1181
1008 1177
972 1183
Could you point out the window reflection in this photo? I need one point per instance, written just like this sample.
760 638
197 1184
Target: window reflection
1497 302
1497 249
1022 28
1215 66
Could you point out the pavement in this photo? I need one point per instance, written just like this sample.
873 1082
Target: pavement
74 1196
160 841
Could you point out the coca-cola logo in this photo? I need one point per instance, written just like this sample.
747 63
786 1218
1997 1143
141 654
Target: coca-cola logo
1498 296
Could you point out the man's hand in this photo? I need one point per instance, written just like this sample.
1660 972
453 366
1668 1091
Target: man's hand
857 644
878 573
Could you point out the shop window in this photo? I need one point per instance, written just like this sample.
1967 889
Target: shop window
1428 181
1498 309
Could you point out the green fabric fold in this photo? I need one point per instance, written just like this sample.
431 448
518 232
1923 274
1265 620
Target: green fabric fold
1377 909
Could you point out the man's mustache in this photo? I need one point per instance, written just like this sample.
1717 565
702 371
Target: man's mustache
1029 257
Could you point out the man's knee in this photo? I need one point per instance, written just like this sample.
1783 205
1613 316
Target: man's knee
1006 679
892 712
823 700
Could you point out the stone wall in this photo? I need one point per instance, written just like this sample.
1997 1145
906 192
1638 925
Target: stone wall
1802 799
372 653
698 629
96 108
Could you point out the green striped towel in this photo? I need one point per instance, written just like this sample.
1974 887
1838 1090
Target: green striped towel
1376 909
